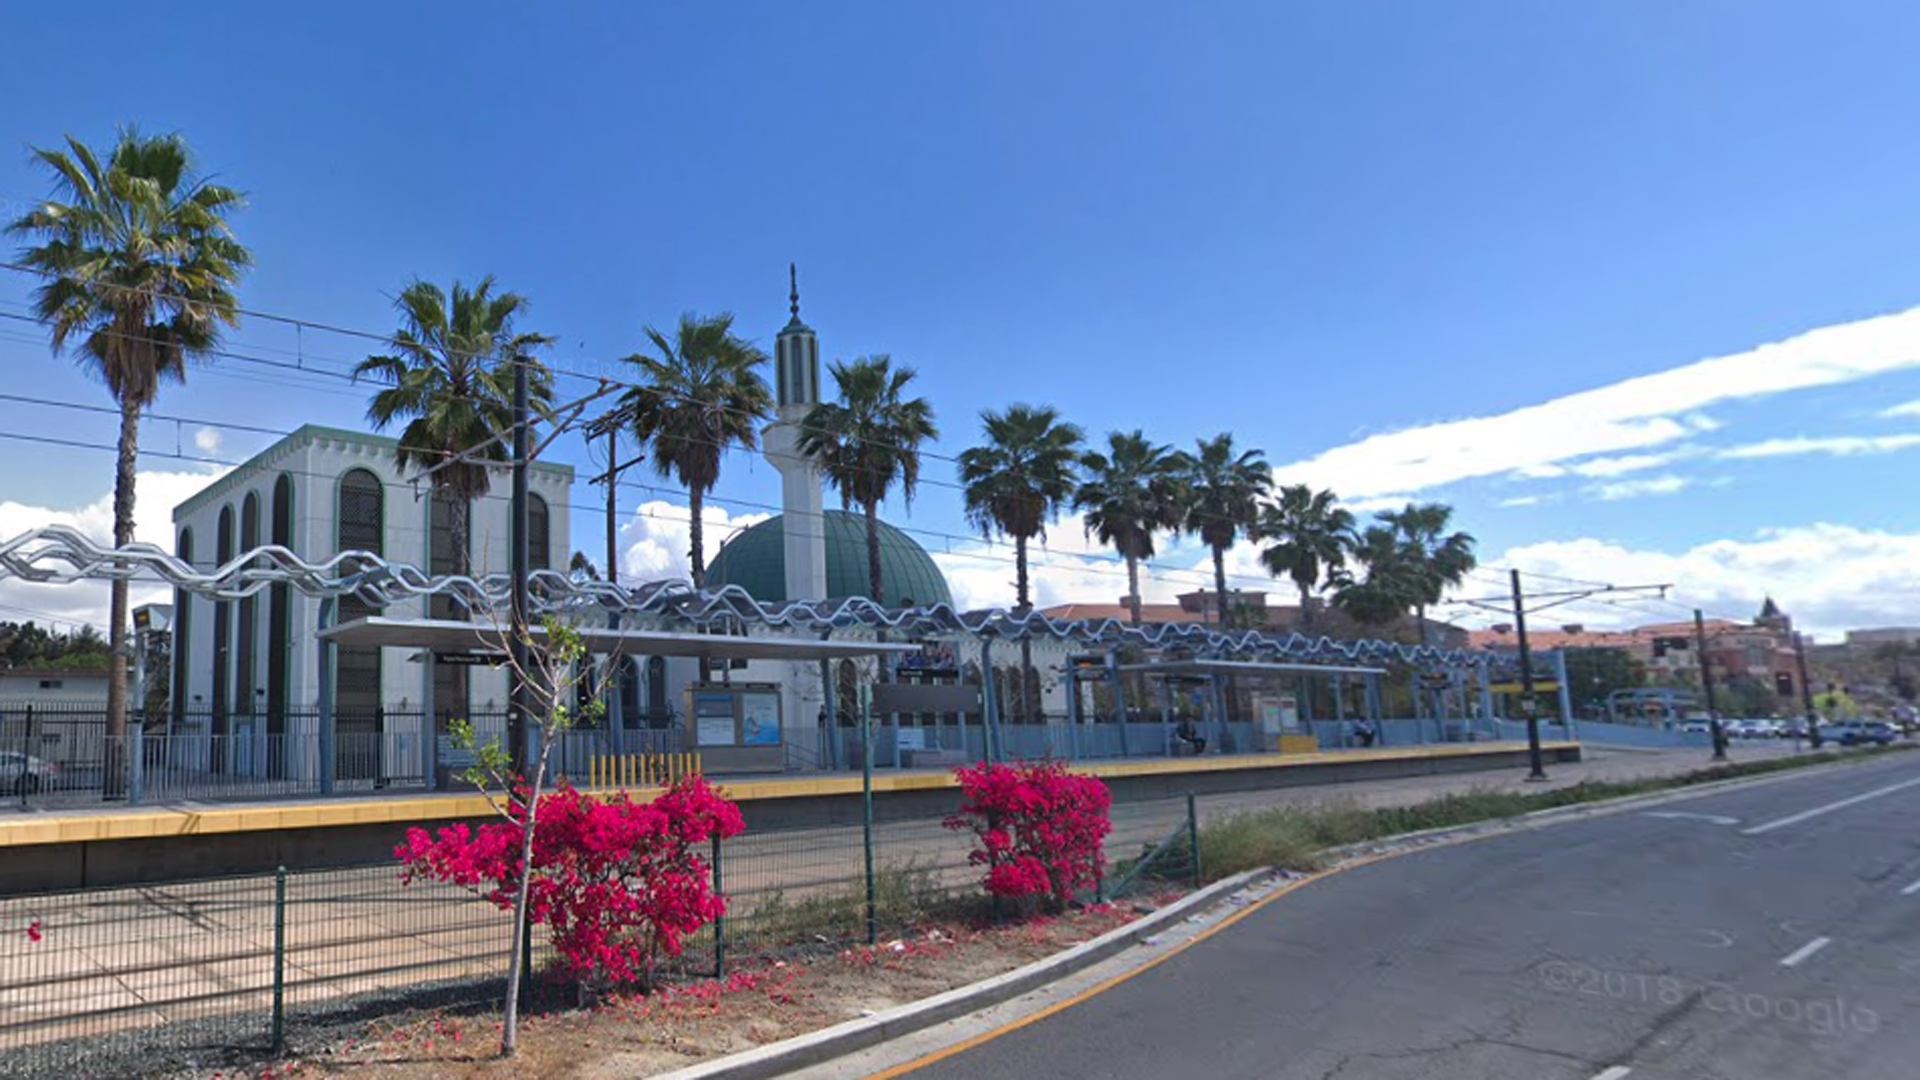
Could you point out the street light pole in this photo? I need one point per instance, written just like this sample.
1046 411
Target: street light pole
1806 690
1706 685
1536 770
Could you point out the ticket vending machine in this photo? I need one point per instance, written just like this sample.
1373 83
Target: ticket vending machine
735 728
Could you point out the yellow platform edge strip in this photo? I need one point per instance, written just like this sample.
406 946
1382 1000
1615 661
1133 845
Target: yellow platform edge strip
333 813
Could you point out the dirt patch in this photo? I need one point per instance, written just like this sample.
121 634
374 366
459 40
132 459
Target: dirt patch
759 1002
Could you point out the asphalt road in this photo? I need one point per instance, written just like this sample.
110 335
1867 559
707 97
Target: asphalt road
1750 942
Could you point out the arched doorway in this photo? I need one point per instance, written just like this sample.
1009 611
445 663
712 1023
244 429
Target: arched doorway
182 636
359 525
222 727
279 630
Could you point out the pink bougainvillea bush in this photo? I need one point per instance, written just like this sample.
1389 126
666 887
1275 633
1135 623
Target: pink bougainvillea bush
1038 829
616 882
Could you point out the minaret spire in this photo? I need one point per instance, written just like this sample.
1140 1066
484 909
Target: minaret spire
793 286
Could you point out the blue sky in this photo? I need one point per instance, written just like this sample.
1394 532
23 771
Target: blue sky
1308 224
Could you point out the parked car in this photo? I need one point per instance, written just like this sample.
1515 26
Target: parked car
24 774
1697 727
1861 732
1793 729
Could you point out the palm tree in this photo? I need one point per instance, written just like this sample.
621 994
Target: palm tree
1019 478
1387 585
450 377
1438 560
140 266
701 395
1129 493
868 440
1015 484
1223 492
1311 537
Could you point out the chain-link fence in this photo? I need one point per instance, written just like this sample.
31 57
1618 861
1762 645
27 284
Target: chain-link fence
121 982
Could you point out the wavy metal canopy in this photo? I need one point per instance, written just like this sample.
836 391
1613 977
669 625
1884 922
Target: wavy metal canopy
62 554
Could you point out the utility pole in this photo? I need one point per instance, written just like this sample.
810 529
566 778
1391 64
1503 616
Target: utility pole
1806 690
1706 686
1536 769
1516 606
518 542
609 424
613 505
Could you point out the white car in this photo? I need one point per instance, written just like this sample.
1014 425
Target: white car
24 774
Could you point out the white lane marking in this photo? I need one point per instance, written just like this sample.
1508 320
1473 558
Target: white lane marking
1614 1073
1794 958
1911 889
1805 815
1682 815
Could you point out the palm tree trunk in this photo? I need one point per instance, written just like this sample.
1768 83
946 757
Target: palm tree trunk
872 512
1020 599
1220 583
460 530
1306 608
1029 688
1133 587
113 783
696 552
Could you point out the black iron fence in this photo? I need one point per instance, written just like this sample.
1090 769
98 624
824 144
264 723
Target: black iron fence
52 753
127 981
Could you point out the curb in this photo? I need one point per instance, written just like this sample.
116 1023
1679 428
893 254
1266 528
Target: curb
854 1035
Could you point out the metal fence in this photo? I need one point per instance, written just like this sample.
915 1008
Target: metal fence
122 982
60 753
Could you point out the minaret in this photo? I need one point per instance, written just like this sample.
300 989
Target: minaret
796 380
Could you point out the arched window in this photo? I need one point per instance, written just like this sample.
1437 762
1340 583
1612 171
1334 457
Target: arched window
279 627
451 687
539 534
182 635
657 712
359 526
246 701
847 694
222 642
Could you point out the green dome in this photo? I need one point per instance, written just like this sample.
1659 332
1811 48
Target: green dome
755 560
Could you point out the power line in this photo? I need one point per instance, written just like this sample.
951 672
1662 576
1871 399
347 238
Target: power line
605 381
1041 555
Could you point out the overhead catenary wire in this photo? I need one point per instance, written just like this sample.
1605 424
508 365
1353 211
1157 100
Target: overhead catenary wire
387 339
1040 555
302 367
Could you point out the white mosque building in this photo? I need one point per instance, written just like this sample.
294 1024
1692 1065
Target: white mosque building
252 667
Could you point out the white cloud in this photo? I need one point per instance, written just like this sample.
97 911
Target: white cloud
1523 500
207 440
1635 489
1377 503
1905 409
157 493
1075 571
1835 446
655 541
1605 468
1828 577
1633 415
